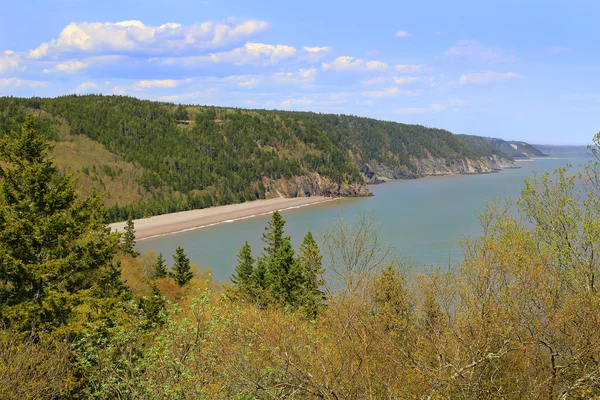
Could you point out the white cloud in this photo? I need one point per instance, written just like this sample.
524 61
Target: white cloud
410 68
133 37
250 53
9 61
157 83
377 81
420 110
473 51
402 34
69 67
325 49
16 82
303 76
247 81
382 93
351 63
388 92
404 80
486 77
85 87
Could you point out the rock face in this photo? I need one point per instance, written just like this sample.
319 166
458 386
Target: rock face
431 166
313 185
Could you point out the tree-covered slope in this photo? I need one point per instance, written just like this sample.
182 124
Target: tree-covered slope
182 157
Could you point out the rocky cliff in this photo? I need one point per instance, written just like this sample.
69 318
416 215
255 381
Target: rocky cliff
432 166
313 184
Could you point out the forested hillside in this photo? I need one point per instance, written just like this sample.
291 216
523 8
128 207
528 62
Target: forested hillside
152 158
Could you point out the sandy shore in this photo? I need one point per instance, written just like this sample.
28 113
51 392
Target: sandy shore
187 220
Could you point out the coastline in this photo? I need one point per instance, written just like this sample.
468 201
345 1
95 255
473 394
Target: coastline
168 224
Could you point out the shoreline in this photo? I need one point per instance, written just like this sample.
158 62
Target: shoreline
183 221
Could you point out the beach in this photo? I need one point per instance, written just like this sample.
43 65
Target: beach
194 219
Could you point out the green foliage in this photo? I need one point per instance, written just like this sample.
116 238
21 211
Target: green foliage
311 261
243 277
182 269
189 157
54 248
128 243
280 278
159 269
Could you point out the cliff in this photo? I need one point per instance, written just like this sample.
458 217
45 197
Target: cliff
435 166
313 184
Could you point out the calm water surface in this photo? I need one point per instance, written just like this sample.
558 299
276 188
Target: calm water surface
424 219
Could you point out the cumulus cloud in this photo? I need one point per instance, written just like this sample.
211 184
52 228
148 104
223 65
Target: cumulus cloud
410 68
420 110
303 76
388 92
405 80
402 34
9 61
351 63
16 82
85 87
325 49
157 83
133 37
379 80
247 81
68 67
250 53
473 51
486 77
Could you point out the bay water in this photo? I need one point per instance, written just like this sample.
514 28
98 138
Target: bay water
423 219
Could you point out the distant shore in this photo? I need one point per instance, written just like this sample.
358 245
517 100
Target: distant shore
195 219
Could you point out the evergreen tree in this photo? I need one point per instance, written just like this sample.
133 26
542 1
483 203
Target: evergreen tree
244 270
128 244
159 269
284 274
53 247
182 270
310 260
274 234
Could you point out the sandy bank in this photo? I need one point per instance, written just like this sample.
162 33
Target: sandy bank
187 220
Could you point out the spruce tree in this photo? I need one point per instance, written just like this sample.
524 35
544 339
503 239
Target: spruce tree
53 246
310 260
244 270
274 234
284 274
159 269
128 244
182 270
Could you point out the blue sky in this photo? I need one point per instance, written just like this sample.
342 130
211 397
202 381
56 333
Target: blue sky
526 70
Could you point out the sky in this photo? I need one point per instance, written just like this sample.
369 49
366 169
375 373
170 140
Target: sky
517 70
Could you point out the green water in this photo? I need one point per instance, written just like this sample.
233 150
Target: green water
423 219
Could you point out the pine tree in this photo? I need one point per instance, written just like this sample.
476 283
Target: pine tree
159 269
244 270
128 244
284 274
310 260
182 270
274 234
53 247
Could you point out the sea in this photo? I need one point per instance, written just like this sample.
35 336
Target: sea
424 220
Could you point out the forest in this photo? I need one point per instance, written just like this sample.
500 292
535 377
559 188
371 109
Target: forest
169 158
84 315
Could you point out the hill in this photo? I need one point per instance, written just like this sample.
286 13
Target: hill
153 158
515 149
